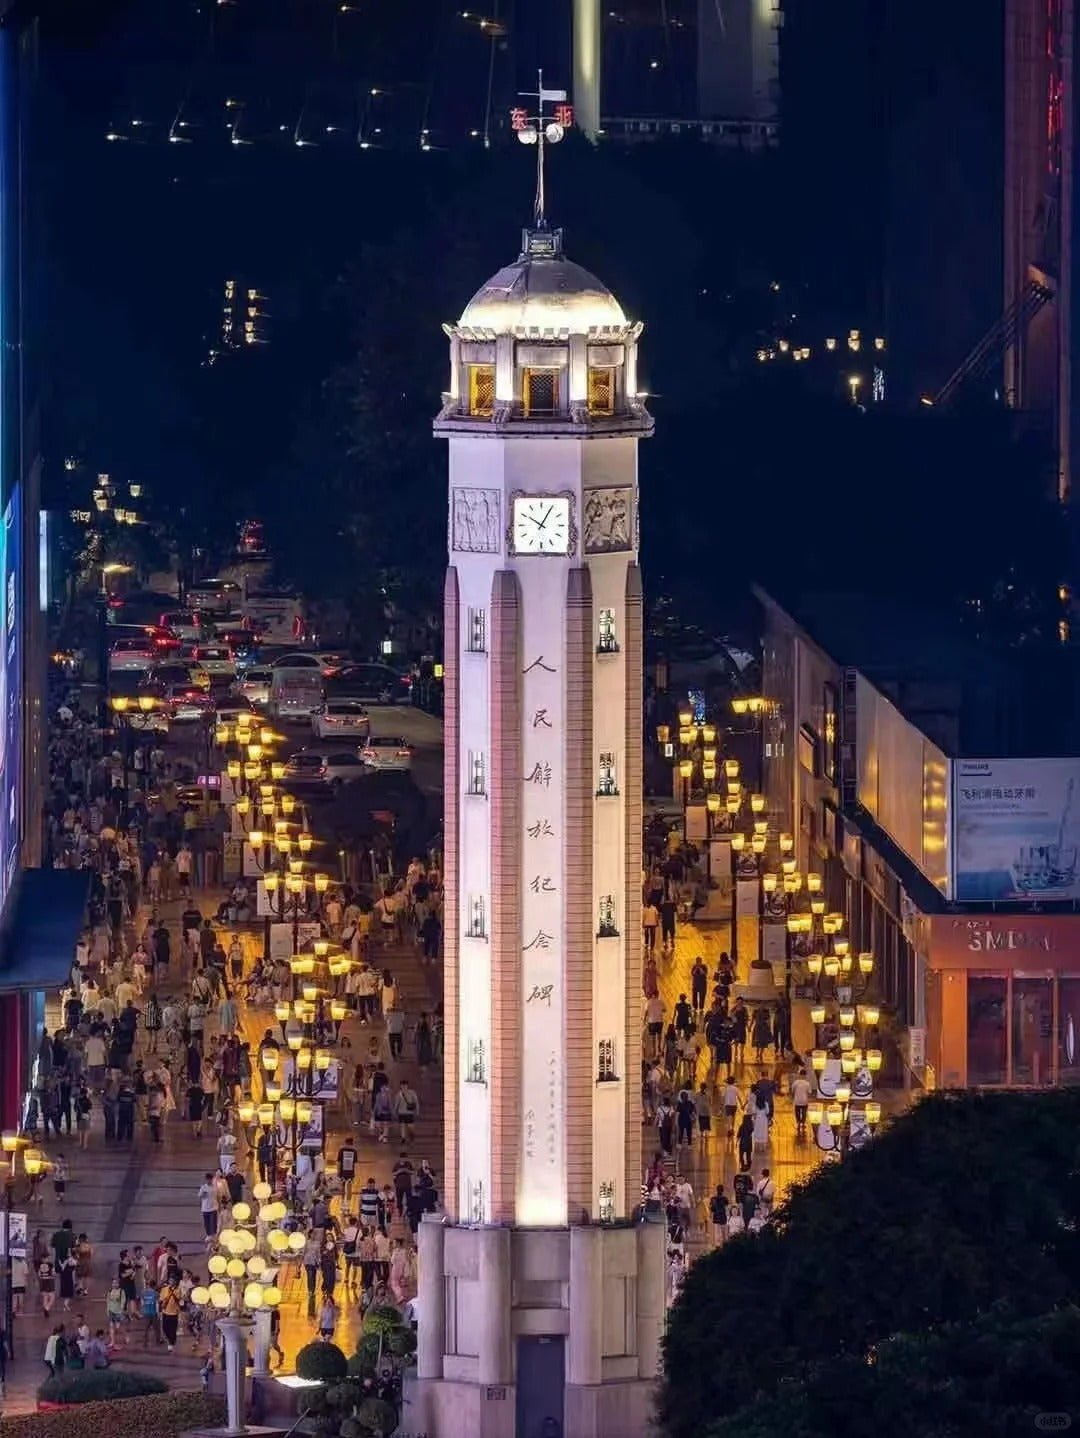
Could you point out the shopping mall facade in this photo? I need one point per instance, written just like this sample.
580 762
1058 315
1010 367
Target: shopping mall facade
41 911
931 787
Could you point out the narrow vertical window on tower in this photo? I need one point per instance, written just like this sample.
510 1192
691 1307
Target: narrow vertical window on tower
601 390
476 635
607 927
606 1072
540 392
477 920
606 642
482 390
477 772
607 782
475 1071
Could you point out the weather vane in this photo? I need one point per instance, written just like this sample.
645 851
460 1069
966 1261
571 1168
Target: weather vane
541 130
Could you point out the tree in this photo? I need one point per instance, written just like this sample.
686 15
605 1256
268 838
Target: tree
991 1378
924 1226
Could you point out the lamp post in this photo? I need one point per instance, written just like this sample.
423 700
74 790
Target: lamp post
125 709
239 1294
103 643
844 1029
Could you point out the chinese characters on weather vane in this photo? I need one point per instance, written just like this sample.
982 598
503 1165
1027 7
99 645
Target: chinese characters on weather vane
542 129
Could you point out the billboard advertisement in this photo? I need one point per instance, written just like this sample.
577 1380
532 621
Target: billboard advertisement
1016 829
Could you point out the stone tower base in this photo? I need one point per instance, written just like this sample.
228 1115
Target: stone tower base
537 1333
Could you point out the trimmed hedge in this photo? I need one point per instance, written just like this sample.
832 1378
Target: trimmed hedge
321 1362
164 1415
98 1385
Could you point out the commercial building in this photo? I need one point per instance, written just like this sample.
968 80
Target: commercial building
543 1303
40 910
642 71
937 789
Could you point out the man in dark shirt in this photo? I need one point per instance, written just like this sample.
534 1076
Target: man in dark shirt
63 1241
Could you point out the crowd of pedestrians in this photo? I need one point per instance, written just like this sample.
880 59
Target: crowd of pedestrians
154 1034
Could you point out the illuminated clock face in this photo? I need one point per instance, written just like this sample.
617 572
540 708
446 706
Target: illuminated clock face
541 524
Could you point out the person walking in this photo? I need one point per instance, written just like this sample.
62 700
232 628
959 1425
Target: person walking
650 922
703 1106
208 1204
699 984
406 1110
800 1099
718 1212
746 1140
169 1302
667 922
686 1114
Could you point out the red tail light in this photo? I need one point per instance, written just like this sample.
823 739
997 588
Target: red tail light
403 753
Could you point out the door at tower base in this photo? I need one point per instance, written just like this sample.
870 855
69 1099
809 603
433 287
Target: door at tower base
523 1327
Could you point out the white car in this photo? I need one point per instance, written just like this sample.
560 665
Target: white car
254 684
341 719
186 703
229 711
132 654
300 661
318 767
382 752
216 659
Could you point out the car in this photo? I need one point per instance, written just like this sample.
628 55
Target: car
244 644
216 659
295 694
189 625
370 683
132 654
156 721
230 711
177 673
316 766
185 702
253 684
215 595
383 752
299 660
341 719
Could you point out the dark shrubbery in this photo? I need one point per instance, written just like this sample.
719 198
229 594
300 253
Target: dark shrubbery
98 1385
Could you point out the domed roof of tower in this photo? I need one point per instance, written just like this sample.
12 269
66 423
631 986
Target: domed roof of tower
543 290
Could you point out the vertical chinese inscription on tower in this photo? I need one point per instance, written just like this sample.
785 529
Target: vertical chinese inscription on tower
542 928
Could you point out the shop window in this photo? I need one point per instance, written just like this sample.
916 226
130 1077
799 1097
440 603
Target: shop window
477 774
477 928
482 390
1032 1030
606 642
607 928
540 392
475 1071
601 391
476 636
606 1071
987 1005
607 784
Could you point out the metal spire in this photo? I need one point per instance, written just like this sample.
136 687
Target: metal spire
540 130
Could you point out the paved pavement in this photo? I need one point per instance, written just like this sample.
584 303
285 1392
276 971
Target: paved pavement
121 1197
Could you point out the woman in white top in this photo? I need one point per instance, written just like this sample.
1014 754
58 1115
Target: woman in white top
387 992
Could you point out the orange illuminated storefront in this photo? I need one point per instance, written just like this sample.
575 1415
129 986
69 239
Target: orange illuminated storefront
1003 1000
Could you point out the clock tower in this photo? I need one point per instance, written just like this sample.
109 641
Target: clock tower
543 836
